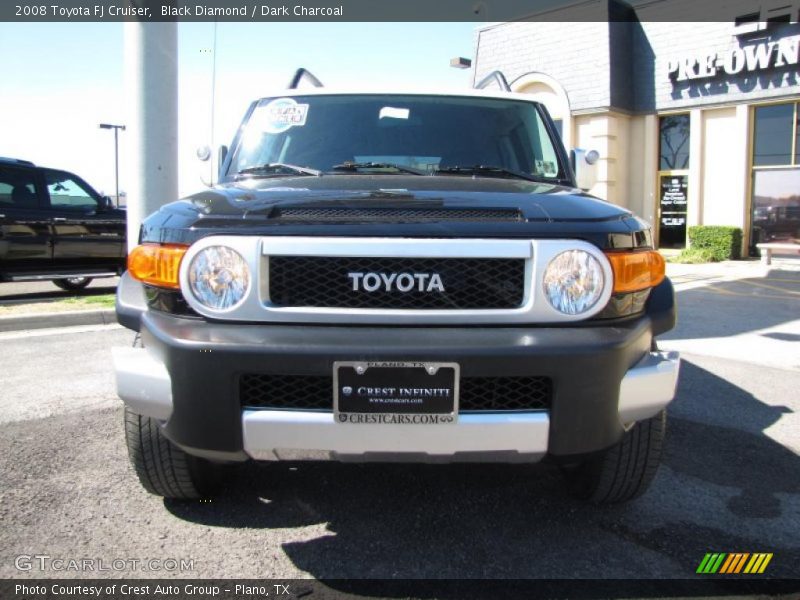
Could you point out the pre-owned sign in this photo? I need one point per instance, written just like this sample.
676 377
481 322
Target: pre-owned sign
756 57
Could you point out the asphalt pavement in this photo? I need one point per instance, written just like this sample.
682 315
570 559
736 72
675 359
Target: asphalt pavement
730 479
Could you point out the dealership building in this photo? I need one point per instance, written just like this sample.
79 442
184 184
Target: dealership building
696 123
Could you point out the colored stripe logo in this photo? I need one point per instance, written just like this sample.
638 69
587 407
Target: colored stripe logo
734 563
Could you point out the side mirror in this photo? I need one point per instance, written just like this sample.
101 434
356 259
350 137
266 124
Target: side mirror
203 154
106 203
584 165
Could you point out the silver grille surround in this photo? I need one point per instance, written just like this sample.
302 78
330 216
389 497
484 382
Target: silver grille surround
256 306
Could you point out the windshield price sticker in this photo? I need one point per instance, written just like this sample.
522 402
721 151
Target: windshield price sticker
280 115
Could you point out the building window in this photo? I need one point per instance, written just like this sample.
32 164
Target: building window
674 142
775 197
774 135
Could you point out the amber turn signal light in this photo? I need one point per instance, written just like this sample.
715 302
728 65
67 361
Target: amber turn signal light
156 264
634 271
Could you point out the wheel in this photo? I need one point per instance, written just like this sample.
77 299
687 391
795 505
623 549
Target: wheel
72 284
623 472
163 468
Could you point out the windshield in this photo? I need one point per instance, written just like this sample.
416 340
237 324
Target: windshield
423 133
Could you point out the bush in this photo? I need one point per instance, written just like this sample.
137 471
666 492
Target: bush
725 243
694 256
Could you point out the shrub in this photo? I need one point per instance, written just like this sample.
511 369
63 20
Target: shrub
724 243
693 256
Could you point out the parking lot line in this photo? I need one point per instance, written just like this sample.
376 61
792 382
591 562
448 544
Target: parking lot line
726 292
769 287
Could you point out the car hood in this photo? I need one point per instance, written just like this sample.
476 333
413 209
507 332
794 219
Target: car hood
262 198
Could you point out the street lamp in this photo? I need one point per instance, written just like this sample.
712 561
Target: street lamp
116 129
459 62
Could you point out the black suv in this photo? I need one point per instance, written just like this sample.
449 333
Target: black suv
401 276
54 225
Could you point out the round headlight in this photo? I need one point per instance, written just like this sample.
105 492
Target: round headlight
573 282
219 277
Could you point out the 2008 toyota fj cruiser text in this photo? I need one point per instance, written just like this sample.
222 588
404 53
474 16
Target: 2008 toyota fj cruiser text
402 276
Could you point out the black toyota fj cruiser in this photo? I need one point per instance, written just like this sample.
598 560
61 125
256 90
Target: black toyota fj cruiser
396 276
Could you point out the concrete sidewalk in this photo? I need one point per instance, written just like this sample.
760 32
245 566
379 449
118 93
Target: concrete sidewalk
48 320
29 305
732 269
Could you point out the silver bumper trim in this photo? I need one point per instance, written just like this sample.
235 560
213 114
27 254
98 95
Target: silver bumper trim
273 434
143 382
649 386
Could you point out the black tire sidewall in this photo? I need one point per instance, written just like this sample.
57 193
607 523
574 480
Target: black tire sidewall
69 286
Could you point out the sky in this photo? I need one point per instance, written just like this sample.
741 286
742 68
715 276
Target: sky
60 80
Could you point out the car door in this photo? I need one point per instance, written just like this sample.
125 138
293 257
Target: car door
87 233
25 236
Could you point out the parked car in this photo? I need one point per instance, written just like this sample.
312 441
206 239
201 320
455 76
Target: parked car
55 226
397 277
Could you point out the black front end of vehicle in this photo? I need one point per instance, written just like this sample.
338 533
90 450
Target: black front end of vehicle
214 368
225 388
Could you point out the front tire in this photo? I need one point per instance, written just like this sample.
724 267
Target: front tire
72 284
163 468
625 471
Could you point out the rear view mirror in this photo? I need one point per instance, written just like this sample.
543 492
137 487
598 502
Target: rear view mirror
584 165
106 203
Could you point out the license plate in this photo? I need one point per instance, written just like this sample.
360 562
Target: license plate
413 393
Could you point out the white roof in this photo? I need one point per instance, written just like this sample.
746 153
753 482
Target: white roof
404 91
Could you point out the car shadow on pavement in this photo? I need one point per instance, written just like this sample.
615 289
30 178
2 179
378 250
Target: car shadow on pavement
714 447
716 441
515 521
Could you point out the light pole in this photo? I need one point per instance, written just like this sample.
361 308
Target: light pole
116 129
213 52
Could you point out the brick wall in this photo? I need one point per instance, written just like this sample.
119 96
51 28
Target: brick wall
624 65
575 54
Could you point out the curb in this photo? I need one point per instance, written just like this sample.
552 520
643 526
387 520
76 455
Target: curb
105 316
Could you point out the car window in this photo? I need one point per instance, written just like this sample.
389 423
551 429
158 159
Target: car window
18 188
419 132
67 192
6 190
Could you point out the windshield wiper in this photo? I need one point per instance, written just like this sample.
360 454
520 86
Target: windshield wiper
356 166
279 169
490 169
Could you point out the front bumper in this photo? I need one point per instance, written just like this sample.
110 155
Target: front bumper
604 378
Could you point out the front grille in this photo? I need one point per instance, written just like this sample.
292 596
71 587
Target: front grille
286 391
393 215
475 283
488 394
477 394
